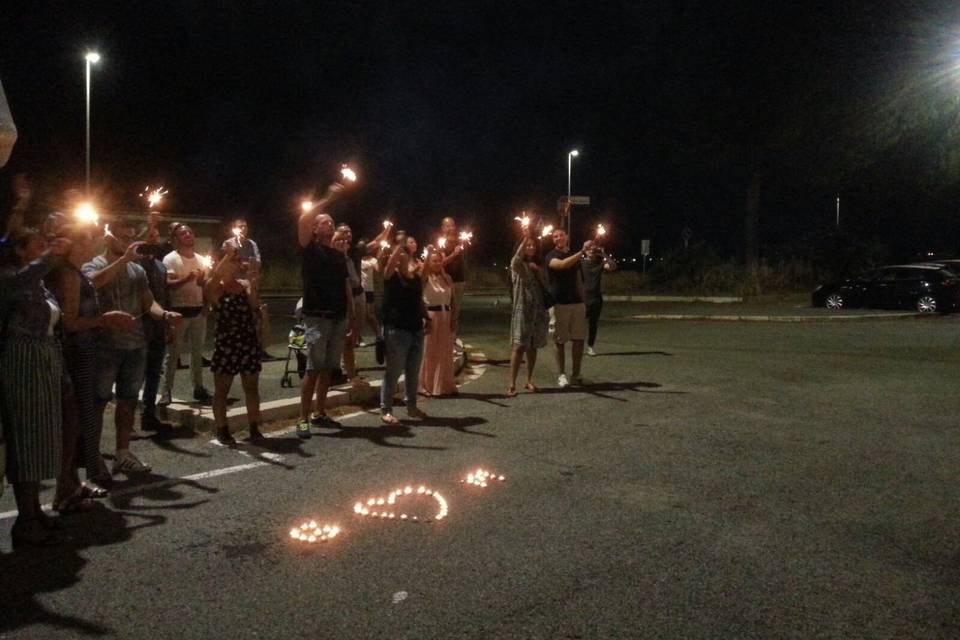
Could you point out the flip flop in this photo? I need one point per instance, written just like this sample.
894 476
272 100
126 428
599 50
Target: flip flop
89 489
511 392
532 388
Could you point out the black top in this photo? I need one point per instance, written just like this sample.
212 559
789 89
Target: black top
324 281
592 273
455 268
157 281
563 282
402 298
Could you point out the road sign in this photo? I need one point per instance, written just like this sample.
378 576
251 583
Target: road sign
582 200
645 247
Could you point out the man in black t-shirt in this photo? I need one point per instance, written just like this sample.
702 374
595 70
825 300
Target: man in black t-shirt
568 315
454 264
593 265
327 309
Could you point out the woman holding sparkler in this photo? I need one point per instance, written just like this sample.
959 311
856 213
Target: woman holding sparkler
236 349
436 370
529 321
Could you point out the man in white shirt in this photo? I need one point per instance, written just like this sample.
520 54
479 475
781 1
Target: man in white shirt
185 279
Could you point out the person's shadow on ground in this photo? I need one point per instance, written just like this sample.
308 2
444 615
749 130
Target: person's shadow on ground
632 353
28 572
380 435
603 389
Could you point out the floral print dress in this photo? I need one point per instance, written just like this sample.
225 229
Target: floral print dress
236 349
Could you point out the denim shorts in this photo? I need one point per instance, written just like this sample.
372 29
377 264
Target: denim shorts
121 367
324 339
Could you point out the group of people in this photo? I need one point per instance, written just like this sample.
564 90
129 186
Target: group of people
79 329
422 295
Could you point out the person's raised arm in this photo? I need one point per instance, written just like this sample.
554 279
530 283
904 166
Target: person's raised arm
457 250
395 262
108 273
307 218
383 235
572 260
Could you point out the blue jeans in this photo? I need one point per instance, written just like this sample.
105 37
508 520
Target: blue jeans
404 350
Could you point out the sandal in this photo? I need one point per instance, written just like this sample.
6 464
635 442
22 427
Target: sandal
511 392
90 489
532 388
389 418
76 503
224 437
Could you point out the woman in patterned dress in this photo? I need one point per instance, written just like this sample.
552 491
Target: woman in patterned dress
529 322
32 384
236 349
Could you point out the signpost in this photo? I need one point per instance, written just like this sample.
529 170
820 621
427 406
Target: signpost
645 251
564 205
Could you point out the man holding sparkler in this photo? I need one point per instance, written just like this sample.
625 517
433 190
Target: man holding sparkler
327 308
568 316
454 265
593 265
185 279
121 355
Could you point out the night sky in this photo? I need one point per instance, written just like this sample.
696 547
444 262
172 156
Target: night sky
469 109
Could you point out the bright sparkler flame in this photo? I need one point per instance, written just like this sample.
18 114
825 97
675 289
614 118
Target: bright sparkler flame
348 174
547 230
524 221
442 242
601 230
387 224
466 236
86 214
306 206
385 244
237 232
155 196
205 261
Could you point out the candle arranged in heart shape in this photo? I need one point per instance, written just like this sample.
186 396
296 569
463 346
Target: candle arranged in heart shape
481 478
387 508
311 532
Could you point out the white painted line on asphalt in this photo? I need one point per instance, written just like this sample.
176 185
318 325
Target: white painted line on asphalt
203 475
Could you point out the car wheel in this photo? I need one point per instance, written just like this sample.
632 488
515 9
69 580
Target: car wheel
835 301
926 304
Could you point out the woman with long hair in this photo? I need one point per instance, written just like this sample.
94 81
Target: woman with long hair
32 385
236 349
529 321
436 370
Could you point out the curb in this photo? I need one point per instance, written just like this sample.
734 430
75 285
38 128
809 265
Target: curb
200 418
756 318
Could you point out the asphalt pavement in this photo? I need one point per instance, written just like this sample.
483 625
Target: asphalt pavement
710 480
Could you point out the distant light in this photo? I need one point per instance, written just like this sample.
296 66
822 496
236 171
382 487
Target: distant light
92 56
575 153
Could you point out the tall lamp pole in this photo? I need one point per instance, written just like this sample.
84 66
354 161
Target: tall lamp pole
92 57
570 156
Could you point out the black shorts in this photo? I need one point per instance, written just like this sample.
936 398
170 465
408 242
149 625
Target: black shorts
369 296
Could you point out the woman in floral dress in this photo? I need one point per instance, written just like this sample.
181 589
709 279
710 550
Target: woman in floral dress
236 349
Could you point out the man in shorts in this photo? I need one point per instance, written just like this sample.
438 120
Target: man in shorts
122 353
327 309
568 316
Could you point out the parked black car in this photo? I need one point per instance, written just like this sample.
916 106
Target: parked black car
924 287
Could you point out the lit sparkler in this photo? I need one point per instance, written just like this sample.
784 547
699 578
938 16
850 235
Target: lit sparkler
601 231
482 477
442 242
524 221
237 232
386 507
466 237
86 214
387 224
205 261
385 244
547 230
306 206
311 532
153 197
348 174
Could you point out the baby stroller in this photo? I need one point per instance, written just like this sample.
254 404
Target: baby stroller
296 346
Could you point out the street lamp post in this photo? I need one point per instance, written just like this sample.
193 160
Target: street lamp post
570 156
91 57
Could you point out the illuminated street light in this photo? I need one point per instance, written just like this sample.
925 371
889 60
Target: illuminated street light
570 156
92 57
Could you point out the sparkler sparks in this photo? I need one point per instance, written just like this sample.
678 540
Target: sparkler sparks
86 214
205 261
547 230
311 532
237 232
385 508
524 221
601 231
482 477
155 196
385 244
306 206
348 174
466 237
442 242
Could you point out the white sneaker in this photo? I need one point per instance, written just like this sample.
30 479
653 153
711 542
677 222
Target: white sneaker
126 462
590 351
562 381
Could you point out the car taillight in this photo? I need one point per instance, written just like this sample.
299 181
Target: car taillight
949 283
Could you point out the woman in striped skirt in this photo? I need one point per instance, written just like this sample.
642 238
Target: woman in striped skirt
82 321
31 387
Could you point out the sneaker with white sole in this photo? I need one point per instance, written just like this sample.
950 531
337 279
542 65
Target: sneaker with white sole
562 381
590 351
303 430
126 462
